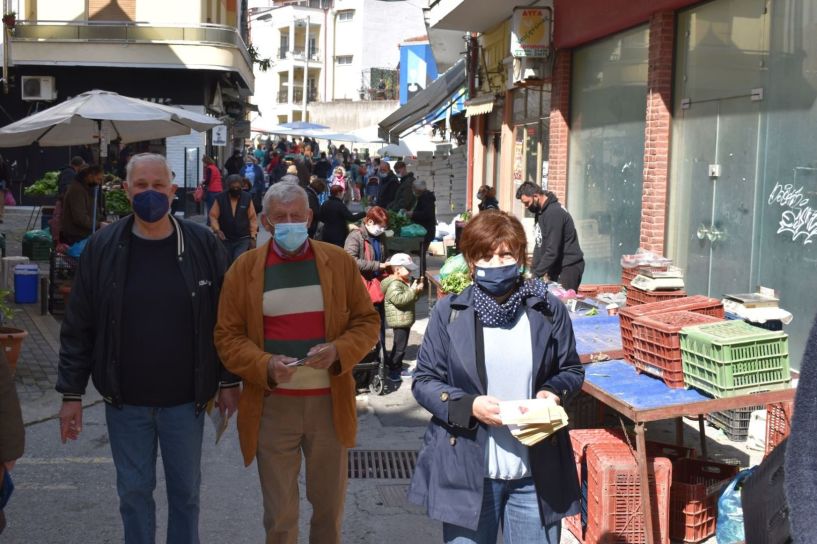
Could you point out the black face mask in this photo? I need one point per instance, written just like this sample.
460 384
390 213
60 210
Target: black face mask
534 208
235 191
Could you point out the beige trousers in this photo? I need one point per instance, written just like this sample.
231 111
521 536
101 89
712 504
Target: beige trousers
289 426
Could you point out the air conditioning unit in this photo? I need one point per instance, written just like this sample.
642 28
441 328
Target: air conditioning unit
39 88
525 69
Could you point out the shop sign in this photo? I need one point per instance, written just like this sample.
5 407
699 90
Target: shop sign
220 136
530 32
519 162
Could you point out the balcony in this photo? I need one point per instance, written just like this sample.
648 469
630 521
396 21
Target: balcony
298 96
298 54
204 47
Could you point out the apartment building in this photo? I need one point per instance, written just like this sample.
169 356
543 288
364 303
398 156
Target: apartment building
188 53
327 51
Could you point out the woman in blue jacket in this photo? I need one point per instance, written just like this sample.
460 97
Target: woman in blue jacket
501 339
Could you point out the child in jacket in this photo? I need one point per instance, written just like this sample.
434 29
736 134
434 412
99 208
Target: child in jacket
400 298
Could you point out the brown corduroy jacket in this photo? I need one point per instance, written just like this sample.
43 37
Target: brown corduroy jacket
351 323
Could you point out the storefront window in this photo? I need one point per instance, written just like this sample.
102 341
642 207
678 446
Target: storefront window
531 108
605 170
750 222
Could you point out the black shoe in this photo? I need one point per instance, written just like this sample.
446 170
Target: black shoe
394 375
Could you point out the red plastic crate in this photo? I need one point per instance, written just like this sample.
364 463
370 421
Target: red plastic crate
670 451
593 290
585 412
637 296
693 510
696 303
614 495
657 346
778 424
580 439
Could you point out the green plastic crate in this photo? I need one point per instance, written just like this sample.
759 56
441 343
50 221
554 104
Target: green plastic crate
37 249
734 358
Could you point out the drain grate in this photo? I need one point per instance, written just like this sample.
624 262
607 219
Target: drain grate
382 464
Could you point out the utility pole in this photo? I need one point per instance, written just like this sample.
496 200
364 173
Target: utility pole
306 69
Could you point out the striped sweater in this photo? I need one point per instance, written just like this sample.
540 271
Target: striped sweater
294 317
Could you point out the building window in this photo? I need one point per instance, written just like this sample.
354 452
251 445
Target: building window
343 59
608 118
346 15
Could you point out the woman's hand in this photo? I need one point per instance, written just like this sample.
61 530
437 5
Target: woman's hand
486 409
547 395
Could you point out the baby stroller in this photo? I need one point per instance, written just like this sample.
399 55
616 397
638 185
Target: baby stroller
370 373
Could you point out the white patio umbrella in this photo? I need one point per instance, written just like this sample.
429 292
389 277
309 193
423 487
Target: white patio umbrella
82 119
399 149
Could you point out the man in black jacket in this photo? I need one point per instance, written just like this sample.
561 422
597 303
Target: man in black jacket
404 195
388 185
233 219
322 167
556 253
139 323
336 217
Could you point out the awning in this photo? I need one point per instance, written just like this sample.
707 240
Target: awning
424 103
480 105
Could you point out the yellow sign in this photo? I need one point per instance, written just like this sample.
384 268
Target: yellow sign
530 32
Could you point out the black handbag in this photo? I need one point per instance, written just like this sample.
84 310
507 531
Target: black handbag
765 510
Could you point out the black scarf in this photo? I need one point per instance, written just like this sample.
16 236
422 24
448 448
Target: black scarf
493 314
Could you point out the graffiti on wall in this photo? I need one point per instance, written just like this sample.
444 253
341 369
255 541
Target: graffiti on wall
798 219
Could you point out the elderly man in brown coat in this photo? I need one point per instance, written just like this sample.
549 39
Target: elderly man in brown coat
12 434
294 319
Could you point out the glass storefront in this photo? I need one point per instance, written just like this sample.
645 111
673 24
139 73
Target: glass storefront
530 120
605 171
743 184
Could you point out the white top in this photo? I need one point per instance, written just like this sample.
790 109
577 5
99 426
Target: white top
509 371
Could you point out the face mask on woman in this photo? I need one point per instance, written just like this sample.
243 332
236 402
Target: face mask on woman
375 229
497 280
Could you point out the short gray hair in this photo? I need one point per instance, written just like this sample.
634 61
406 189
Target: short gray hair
144 158
419 184
284 193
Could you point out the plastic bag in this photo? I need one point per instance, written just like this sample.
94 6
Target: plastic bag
76 249
453 264
9 199
38 235
730 511
413 231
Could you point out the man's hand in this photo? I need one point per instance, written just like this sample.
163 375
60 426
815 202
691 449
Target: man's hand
547 395
70 420
277 369
486 409
228 400
220 234
324 356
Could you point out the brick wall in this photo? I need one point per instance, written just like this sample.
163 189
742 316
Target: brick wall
559 125
658 131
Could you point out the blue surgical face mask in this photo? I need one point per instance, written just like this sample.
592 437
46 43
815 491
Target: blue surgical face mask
290 236
150 206
497 280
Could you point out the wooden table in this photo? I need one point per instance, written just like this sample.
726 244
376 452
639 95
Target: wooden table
643 399
435 288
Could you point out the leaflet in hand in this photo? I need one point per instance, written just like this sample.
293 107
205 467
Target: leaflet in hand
532 420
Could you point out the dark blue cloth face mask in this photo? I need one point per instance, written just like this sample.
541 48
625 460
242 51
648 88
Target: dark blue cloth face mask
150 206
497 280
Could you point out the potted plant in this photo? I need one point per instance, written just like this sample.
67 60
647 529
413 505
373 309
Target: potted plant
10 19
11 338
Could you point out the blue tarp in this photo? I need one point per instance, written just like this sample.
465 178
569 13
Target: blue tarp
640 391
597 333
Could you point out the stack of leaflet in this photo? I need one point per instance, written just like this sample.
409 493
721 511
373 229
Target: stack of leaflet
659 280
532 420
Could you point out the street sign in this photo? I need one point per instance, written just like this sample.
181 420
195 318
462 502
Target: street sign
531 32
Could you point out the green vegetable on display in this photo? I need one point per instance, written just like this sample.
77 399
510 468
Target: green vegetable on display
45 186
397 221
456 282
117 203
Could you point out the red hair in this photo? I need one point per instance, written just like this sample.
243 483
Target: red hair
378 215
490 230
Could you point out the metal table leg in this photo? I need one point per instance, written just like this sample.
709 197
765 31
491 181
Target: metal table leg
643 475
679 431
702 436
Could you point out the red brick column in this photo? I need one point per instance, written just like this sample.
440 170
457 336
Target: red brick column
657 135
559 124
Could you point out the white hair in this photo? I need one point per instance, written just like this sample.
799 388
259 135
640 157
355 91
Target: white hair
284 193
145 158
419 184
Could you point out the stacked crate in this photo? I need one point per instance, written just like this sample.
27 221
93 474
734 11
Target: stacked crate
778 424
657 345
636 296
697 303
693 507
610 487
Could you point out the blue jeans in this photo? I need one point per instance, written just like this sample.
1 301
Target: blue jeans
513 504
135 432
209 199
235 248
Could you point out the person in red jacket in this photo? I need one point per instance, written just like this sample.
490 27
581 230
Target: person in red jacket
212 184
